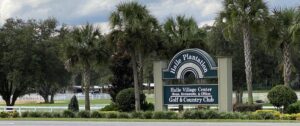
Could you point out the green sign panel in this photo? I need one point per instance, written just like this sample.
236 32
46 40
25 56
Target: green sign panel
191 94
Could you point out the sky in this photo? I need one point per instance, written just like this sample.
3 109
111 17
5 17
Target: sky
79 12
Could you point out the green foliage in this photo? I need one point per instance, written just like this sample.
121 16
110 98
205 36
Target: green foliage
47 115
56 114
25 114
282 96
125 100
122 74
247 107
148 115
180 33
35 114
111 115
18 62
73 105
96 114
137 34
4 115
137 115
293 108
147 106
110 107
159 115
84 114
14 114
68 114
211 114
123 115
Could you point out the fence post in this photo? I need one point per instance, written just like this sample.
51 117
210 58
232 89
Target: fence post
20 113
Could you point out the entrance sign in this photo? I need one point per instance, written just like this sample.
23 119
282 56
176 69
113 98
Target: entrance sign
200 65
191 94
191 60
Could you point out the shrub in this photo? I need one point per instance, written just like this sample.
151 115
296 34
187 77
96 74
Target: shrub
68 114
137 115
14 114
84 114
282 96
147 106
148 115
288 117
35 114
110 107
228 115
188 115
73 105
268 114
96 114
125 101
165 115
198 114
247 107
25 114
293 108
193 114
211 114
254 116
123 115
47 115
170 115
111 115
4 115
158 115
56 114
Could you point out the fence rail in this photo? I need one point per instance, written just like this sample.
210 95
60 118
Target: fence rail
21 109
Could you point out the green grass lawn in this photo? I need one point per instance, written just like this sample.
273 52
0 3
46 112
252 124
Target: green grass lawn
66 102
62 103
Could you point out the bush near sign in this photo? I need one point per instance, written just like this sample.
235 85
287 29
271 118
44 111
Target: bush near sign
191 94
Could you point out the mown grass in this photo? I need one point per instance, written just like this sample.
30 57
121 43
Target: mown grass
94 102
62 103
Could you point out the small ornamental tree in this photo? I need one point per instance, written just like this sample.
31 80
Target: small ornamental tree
282 96
73 105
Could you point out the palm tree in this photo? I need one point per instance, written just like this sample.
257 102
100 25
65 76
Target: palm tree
284 29
136 28
181 33
83 49
245 16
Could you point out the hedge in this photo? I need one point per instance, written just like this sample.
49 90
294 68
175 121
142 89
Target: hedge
197 114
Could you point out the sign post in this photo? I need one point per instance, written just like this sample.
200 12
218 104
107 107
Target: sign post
158 66
225 83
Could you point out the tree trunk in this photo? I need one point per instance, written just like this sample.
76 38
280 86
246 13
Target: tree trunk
73 81
46 99
248 64
136 84
287 64
239 96
86 86
52 99
140 72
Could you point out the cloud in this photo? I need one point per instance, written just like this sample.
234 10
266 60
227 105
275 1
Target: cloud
78 12
200 10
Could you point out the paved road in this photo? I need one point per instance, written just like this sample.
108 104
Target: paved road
67 123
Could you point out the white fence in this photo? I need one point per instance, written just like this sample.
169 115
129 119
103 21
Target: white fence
67 96
21 109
